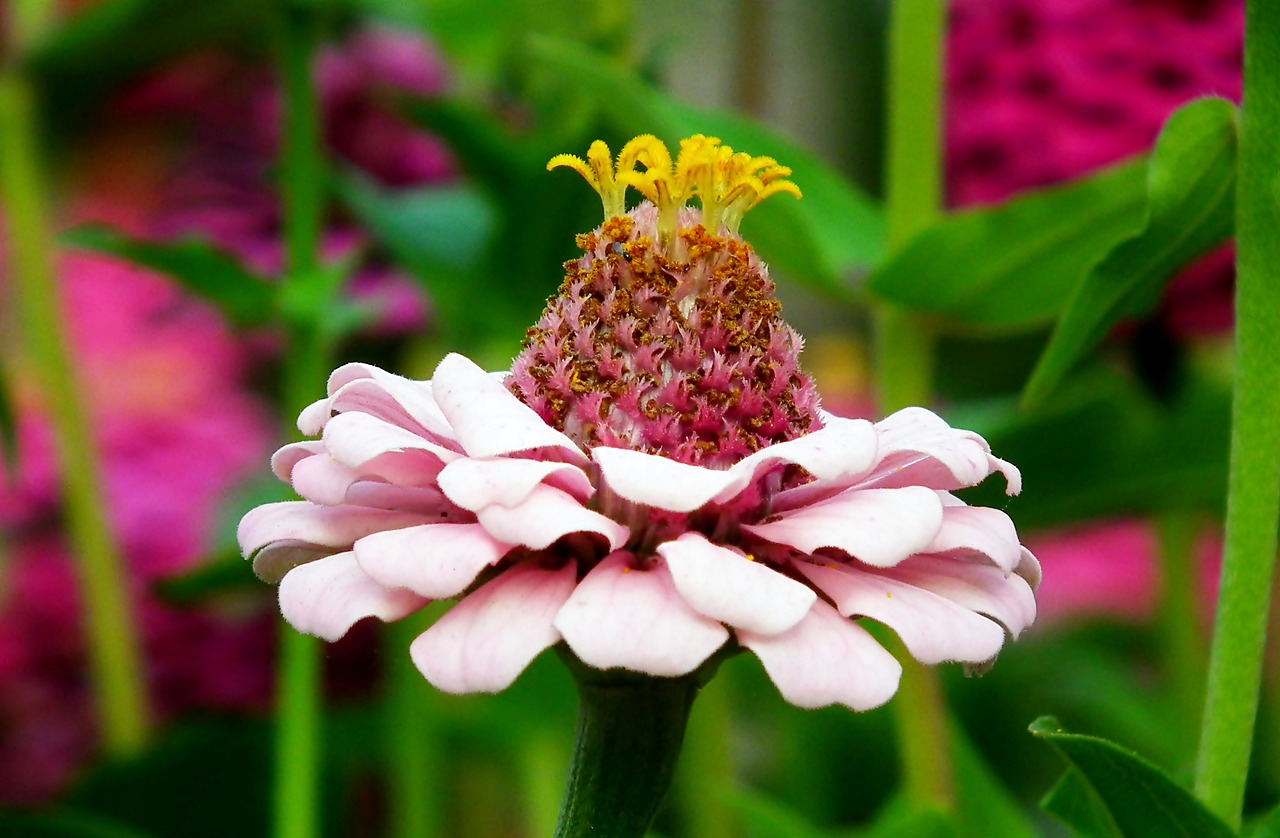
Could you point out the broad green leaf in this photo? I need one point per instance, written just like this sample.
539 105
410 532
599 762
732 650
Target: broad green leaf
1100 448
1267 827
824 239
764 817
1011 267
245 298
899 819
1141 800
1073 801
986 807
1190 204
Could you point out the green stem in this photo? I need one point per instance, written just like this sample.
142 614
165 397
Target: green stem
299 699
412 807
630 728
1253 490
904 344
115 660
1183 650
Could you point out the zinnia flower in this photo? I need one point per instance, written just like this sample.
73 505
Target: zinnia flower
652 484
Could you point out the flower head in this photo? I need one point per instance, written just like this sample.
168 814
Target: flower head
652 485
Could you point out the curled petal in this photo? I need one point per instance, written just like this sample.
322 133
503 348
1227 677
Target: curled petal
326 526
917 447
842 448
327 597
620 616
879 527
546 515
1029 568
475 483
977 532
272 562
727 586
322 479
487 420
1002 596
369 389
437 561
826 659
288 456
355 439
488 639
934 628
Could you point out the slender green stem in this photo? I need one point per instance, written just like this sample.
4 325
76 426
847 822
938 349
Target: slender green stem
904 343
114 656
299 699
1184 650
630 728
413 810
1253 490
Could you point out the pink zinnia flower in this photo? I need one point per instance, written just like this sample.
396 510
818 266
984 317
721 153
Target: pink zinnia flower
653 483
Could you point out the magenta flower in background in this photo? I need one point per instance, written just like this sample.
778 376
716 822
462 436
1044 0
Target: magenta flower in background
1042 91
652 484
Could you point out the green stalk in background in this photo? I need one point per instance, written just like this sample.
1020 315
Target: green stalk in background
1253 491
904 344
1184 652
305 294
114 656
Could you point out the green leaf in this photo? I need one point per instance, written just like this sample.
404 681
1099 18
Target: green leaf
899 819
1140 799
824 239
1190 207
1073 801
986 807
244 297
1011 267
1267 827
764 817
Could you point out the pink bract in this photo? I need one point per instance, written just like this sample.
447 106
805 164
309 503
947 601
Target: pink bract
422 490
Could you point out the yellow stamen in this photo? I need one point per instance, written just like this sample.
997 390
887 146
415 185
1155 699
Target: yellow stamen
727 184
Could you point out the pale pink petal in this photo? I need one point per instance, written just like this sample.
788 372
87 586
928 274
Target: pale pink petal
826 659
933 628
288 456
404 468
917 447
982 588
312 419
977 532
624 616
437 561
371 389
488 638
843 448
546 515
476 483
427 501
326 597
486 419
727 586
322 479
1029 568
880 527
331 526
357 438
660 482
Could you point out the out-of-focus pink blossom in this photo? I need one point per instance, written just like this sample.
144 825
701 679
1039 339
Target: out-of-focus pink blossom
1042 91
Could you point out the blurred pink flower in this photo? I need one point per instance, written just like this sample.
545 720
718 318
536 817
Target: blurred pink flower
652 479
1042 91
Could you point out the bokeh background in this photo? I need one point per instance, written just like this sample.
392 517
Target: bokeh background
160 132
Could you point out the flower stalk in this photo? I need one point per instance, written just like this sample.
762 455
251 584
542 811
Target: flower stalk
630 729
299 696
1253 491
114 656
904 343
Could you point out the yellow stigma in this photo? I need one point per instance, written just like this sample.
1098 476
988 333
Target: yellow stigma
727 184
